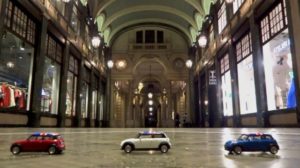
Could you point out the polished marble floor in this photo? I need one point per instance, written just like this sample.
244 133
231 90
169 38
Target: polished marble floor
192 147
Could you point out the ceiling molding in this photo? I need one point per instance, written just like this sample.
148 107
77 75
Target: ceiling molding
140 8
101 6
197 6
153 20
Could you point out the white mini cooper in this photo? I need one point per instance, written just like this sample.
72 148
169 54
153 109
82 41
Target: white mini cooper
147 141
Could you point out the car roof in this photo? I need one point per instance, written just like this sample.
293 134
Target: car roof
45 134
151 132
257 134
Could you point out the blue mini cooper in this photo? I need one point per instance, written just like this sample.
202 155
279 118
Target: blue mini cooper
252 142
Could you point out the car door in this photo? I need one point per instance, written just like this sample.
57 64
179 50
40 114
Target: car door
248 143
32 144
157 139
38 144
46 142
144 142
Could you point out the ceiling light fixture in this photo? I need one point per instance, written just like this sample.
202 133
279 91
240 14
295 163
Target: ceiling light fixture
189 63
110 64
66 1
96 41
202 41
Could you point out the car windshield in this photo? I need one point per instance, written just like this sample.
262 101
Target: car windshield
243 137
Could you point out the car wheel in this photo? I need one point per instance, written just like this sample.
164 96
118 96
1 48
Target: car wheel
128 148
164 148
15 149
273 149
238 150
52 150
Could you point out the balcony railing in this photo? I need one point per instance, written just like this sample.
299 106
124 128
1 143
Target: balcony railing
154 46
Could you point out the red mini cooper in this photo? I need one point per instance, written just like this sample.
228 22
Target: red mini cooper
49 142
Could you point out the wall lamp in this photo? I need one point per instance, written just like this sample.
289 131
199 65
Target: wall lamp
202 40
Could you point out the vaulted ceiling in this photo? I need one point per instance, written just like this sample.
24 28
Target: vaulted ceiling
186 16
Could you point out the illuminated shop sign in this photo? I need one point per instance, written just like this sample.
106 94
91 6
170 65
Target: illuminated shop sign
212 77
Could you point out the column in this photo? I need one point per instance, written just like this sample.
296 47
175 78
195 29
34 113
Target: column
261 115
234 86
77 120
219 112
34 114
63 87
129 115
97 122
3 4
90 98
191 98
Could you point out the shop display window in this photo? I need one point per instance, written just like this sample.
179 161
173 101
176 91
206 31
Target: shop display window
95 98
247 95
278 67
84 93
226 86
16 60
101 108
279 76
51 78
50 88
94 103
71 86
84 98
222 18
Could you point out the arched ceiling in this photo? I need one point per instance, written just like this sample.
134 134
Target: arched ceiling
114 15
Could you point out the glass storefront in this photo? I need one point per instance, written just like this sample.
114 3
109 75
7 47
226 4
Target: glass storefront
16 60
279 74
84 93
94 104
226 86
51 78
84 97
278 68
71 87
246 83
247 94
50 88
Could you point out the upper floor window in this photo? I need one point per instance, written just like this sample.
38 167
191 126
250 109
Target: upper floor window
75 22
237 4
59 5
160 36
222 19
150 36
139 37
274 22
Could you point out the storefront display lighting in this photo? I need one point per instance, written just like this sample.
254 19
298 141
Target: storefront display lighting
10 64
